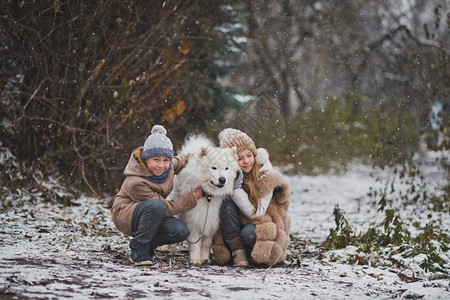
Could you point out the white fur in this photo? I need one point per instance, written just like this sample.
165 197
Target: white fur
207 167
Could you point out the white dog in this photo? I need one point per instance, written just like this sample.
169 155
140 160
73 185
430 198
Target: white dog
213 169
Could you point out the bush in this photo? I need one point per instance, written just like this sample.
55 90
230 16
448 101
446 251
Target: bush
328 137
396 243
90 79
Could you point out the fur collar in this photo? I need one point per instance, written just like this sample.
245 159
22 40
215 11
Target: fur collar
268 179
137 155
271 181
262 158
136 166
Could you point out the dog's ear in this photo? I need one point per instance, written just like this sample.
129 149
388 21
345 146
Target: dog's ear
203 152
234 152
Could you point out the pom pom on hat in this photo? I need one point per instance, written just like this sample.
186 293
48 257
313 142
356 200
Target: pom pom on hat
230 137
159 129
157 144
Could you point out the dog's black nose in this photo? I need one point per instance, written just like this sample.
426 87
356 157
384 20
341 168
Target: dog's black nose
222 180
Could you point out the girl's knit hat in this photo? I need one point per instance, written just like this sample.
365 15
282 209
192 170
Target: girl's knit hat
157 144
230 137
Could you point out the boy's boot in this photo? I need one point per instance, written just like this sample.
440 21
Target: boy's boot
141 258
238 252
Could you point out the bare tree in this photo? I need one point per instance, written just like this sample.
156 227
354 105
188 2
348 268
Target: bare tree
388 50
97 75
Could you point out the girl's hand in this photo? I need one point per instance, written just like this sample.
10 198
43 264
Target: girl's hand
239 180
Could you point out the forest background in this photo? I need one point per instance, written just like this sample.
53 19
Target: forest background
323 85
320 84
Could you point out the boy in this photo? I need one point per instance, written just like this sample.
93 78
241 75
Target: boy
140 209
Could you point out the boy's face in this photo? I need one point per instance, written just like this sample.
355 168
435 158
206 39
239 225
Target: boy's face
158 164
246 160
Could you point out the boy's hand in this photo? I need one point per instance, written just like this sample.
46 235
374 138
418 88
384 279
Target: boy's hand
197 193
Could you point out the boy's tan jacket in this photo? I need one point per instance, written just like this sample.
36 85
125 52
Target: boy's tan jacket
136 188
272 229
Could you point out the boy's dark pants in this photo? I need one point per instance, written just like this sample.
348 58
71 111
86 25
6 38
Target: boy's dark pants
151 229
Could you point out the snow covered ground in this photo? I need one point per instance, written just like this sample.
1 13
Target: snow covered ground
61 252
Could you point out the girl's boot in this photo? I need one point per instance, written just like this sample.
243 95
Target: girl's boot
238 252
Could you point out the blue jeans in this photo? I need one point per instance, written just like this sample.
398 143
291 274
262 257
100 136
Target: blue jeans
151 229
231 227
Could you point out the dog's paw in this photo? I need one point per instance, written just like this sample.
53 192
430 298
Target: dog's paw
200 262
199 265
195 261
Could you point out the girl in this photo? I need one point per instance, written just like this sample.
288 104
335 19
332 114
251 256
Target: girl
254 222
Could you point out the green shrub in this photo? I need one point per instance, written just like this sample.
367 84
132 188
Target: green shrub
343 235
394 238
330 136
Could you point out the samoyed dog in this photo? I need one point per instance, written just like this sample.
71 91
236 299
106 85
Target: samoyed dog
214 169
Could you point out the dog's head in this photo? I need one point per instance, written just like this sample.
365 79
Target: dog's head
219 169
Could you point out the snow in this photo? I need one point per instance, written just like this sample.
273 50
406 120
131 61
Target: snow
73 251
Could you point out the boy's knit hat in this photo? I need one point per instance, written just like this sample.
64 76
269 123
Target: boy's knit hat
157 144
230 137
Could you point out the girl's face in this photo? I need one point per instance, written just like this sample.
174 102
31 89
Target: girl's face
246 160
158 164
